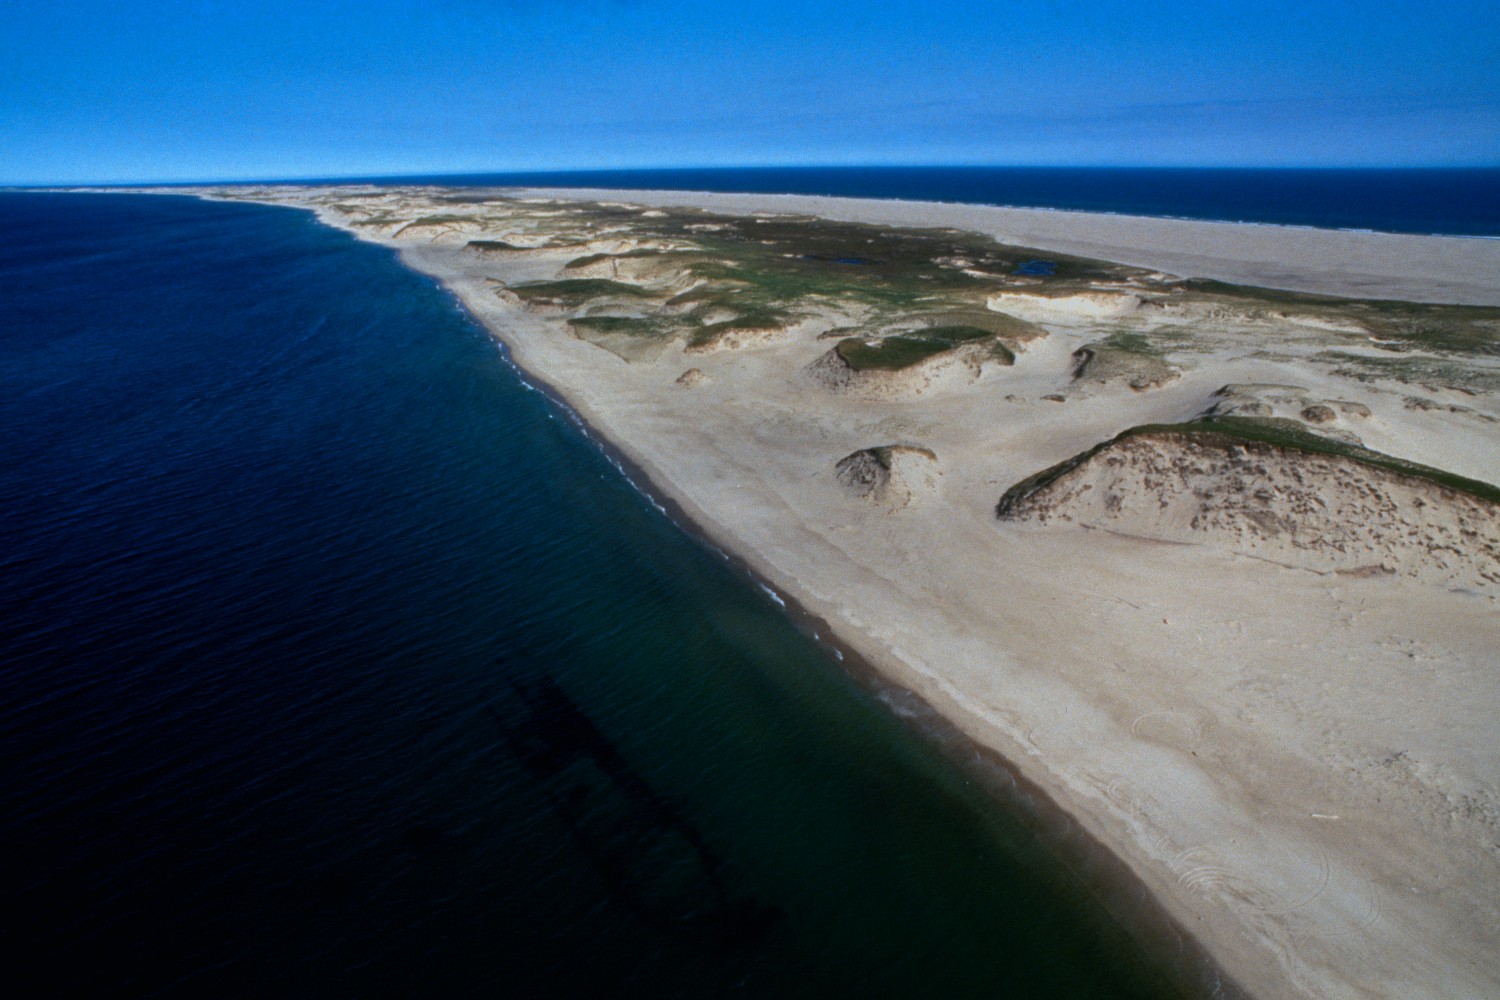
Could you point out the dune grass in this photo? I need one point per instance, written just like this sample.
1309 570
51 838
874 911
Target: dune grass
759 318
1469 330
594 258
575 292
907 349
1287 435
634 326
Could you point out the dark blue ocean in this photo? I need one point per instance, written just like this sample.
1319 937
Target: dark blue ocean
338 663
1459 202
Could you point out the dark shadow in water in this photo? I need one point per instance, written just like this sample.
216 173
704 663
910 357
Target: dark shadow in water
651 859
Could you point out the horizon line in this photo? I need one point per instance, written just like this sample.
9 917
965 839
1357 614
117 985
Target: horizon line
381 178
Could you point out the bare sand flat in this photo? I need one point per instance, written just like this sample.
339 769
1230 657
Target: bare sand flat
1290 743
1323 261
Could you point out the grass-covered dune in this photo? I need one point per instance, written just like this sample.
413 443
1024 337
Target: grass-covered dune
1226 431
905 350
1270 490
574 292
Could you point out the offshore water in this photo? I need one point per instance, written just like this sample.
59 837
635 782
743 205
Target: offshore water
339 663
1457 202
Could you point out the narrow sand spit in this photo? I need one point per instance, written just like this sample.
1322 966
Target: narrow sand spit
1297 758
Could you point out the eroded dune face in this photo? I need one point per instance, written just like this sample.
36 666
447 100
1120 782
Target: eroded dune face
1326 513
892 476
1062 308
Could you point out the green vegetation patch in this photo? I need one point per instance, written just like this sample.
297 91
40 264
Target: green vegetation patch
953 335
1008 328
574 292
594 258
475 198
780 261
1410 369
754 319
1128 342
908 349
1450 329
436 220
721 294
634 326
493 245
1287 435
1123 356
1409 325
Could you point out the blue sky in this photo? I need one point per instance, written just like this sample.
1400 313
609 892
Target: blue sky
136 90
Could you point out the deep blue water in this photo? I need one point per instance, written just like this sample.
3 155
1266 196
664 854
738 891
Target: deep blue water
288 550
1463 202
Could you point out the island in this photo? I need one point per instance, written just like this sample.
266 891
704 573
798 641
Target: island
1193 525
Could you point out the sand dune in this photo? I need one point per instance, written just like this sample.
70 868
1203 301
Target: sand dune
957 367
892 476
1326 513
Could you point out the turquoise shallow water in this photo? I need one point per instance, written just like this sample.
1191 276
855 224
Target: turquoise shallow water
339 663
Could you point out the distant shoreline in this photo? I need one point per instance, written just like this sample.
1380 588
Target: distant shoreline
1462 202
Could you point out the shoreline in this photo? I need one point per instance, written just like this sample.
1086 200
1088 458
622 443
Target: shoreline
1292 874
1139 914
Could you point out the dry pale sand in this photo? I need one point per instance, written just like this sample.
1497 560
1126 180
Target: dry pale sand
1330 262
1300 765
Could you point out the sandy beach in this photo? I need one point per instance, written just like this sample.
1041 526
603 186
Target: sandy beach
1296 757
